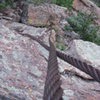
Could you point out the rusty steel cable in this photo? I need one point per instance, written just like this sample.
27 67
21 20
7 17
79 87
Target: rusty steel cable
52 90
83 66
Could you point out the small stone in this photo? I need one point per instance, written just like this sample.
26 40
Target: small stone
69 92
36 71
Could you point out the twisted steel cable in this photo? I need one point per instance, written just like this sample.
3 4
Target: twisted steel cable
52 90
83 66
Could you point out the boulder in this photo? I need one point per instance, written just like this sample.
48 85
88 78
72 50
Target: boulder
85 51
41 15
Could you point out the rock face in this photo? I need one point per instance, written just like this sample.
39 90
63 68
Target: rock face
23 67
85 51
41 15
9 14
47 15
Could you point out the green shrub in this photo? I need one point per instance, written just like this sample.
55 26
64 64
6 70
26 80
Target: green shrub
60 46
68 28
64 3
85 26
63 47
10 3
6 3
97 2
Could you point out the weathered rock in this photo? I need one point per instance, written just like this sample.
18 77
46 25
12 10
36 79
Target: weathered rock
67 69
85 51
10 14
41 15
23 67
72 35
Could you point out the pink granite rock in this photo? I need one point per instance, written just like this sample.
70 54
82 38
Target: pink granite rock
23 67
40 15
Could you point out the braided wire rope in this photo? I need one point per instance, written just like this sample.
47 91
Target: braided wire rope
83 66
52 90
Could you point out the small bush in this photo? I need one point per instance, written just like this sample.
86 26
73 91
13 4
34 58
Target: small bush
6 3
64 3
97 2
85 26
68 28
60 46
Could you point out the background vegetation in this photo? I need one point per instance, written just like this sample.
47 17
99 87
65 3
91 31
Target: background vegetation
97 2
64 3
85 26
6 3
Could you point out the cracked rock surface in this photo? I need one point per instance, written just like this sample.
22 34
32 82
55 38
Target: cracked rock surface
23 67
